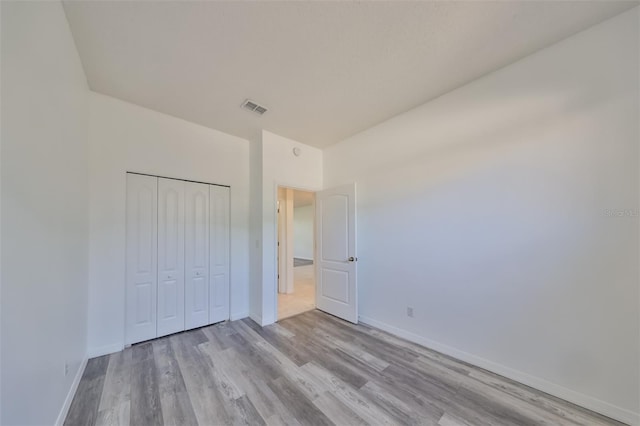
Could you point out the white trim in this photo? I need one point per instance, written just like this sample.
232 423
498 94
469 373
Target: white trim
239 315
271 319
72 392
268 321
256 318
105 350
586 401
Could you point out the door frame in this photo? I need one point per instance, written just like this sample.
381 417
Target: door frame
276 185
124 187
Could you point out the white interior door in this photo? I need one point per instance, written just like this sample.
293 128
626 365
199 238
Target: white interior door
219 256
196 255
141 257
170 256
336 272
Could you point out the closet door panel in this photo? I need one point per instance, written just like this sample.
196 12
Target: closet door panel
219 256
196 255
171 255
141 258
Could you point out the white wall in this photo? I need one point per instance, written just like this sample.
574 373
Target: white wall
280 168
124 137
255 273
44 212
486 211
303 232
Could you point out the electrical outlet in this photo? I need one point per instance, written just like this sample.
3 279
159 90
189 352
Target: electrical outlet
409 312
66 368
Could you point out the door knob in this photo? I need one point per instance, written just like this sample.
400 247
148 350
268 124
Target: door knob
353 259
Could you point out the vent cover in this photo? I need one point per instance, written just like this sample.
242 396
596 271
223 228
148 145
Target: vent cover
254 107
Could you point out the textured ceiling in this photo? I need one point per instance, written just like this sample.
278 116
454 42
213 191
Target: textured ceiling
325 70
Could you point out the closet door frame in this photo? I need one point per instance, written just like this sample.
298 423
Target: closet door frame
213 276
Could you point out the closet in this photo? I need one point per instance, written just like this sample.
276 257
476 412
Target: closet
177 259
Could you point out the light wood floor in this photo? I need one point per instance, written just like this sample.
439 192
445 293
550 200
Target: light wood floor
303 298
312 369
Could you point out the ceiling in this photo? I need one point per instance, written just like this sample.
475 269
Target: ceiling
302 198
325 70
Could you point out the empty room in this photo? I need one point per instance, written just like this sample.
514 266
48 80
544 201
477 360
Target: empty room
319 212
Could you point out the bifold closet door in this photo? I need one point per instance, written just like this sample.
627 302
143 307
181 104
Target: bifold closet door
171 260
219 256
141 257
196 255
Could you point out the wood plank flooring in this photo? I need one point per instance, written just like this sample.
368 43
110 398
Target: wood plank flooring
312 369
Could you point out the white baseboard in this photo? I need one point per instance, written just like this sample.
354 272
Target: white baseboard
105 350
239 316
586 401
262 321
72 391
256 318
267 321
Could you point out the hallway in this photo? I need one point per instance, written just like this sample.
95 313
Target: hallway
304 296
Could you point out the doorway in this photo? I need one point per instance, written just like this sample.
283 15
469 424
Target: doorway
296 252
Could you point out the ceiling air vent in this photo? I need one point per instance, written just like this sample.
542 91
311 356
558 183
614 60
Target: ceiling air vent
253 106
